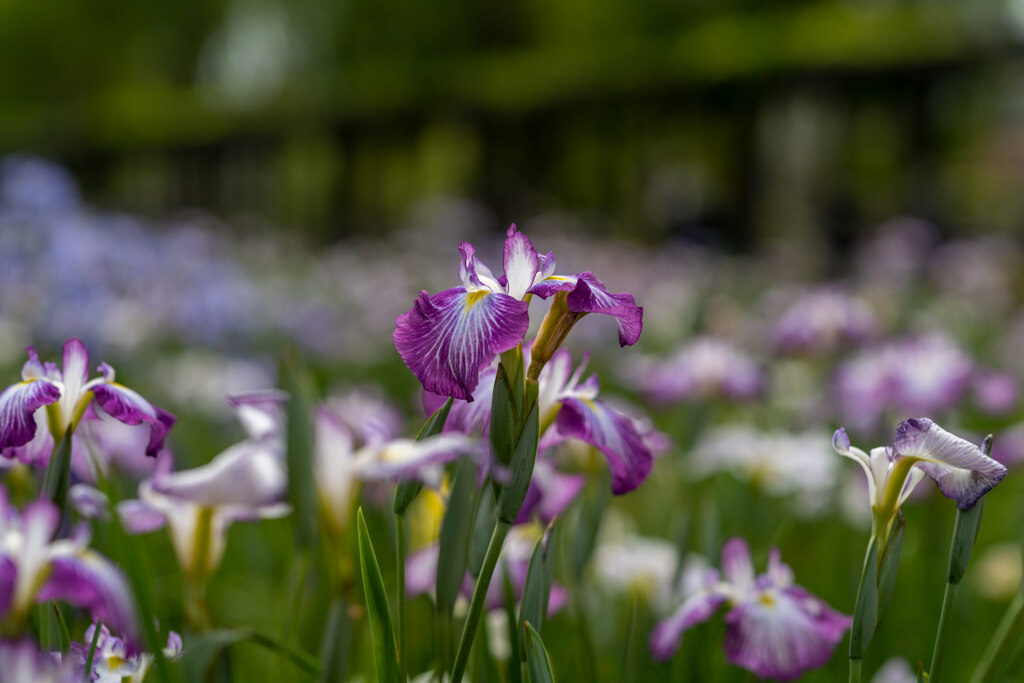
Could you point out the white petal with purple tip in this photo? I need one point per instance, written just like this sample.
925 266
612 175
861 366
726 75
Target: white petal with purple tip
18 404
521 263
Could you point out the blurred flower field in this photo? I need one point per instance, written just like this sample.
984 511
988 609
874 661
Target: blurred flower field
666 490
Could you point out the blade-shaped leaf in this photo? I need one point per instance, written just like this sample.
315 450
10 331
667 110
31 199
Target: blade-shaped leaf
453 549
965 533
537 657
534 606
589 514
385 656
301 488
520 470
483 525
889 564
865 614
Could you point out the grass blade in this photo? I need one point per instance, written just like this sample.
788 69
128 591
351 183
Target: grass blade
385 655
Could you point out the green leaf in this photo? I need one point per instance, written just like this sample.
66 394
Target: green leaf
453 548
301 487
889 564
965 533
58 473
92 648
865 614
520 470
590 512
537 657
334 647
505 420
483 525
408 489
204 650
514 670
533 608
385 656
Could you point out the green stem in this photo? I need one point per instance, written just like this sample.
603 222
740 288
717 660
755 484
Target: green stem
1002 641
300 569
334 648
400 572
476 605
945 621
855 665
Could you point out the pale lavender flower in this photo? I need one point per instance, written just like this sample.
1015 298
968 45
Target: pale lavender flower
774 628
704 367
822 321
996 393
22 662
113 662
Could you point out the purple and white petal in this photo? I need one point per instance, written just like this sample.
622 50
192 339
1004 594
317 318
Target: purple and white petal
410 458
250 473
552 284
8 580
475 275
18 404
127 406
421 571
550 492
139 518
75 375
521 263
782 634
90 581
737 566
668 634
447 339
612 433
960 468
591 296
260 412
841 445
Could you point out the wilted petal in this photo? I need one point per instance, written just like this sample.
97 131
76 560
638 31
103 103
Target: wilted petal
962 471
521 263
613 434
127 406
780 634
249 473
447 339
92 582
696 609
18 404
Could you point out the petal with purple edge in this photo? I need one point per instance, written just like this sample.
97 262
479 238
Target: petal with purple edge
475 275
92 582
409 458
250 473
447 339
260 412
521 263
614 435
782 634
127 406
74 371
18 403
668 634
8 578
737 565
553 283
591 296
960 468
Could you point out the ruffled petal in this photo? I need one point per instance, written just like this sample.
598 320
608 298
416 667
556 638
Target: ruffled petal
447 339
18 403
962 471
521 263
127 406
591 296
614 435
668 634
475 275
780 634
90 581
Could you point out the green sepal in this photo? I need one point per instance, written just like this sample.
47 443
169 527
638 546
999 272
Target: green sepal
537 657
865 614
58 474
453 545
533 608
385 655
295 380
512 495
888 564
965 533
483 524
408 489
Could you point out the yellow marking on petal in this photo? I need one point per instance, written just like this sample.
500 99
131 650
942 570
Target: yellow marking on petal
766 599
473 298
113 662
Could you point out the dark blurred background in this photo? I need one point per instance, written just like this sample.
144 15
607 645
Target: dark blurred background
735 123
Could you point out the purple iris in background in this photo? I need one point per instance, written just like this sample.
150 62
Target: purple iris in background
448 338
960 468
824 320
112 660
34 568
774 628
57 399
22 662
704 367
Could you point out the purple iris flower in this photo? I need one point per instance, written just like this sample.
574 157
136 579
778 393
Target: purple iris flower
569 409
57 399
34 568
22 662
774 628
822 321
921 448
113 661
703 367
448 338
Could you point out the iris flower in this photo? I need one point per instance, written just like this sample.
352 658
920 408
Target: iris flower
448 338
774 628
112 660
962 470
34 569
58 399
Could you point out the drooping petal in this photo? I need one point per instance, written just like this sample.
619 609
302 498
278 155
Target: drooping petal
90 581
613 434
591 296
18 403
127 406
841 445
447 339
962 471
250 473
260 412
521 263
782 634
409 458
668 634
